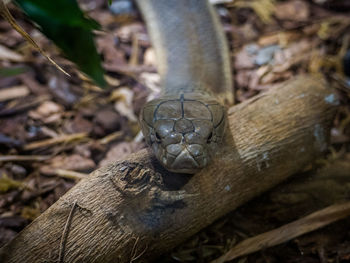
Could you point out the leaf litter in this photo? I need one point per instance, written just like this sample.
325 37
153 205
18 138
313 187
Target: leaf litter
49 121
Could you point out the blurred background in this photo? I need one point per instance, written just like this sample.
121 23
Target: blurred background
56 129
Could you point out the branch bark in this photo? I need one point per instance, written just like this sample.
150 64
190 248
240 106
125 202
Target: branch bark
133 210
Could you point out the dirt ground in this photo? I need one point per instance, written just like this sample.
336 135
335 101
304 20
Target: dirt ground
54 130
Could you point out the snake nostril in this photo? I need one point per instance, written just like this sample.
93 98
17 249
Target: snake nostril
210 137
158 137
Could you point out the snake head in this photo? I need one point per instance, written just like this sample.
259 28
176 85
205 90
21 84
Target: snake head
184 131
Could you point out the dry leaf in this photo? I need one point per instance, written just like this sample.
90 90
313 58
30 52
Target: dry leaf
244 59
8 54
120 151
150 57
112 81
263 8
126 32
48 112
74 162
123 104
151 81
13 93
293 10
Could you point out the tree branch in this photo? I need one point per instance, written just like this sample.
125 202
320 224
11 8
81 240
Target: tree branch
134 210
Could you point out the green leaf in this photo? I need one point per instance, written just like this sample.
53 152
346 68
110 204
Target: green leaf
13 71
66 25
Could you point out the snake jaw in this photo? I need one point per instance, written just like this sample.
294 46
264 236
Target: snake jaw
186 162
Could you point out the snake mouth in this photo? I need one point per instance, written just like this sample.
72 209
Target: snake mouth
185 162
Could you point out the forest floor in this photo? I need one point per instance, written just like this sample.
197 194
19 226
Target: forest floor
55 130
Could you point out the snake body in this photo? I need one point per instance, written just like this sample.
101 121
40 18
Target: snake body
185 126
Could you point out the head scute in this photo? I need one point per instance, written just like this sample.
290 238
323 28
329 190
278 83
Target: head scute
183 130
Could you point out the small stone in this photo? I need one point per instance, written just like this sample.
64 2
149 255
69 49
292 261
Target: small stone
265 55
120 7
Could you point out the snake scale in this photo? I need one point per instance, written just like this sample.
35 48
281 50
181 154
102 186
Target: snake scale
186 125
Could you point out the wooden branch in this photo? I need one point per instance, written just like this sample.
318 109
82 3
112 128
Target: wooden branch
133 210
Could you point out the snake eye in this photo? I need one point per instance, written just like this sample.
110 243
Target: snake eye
210 137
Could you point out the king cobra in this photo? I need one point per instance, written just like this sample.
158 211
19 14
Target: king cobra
185 126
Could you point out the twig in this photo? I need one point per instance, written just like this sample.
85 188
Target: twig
23 106
21 158
65 234
287 232
70 174
111 137
57 140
